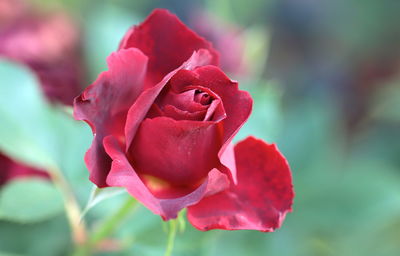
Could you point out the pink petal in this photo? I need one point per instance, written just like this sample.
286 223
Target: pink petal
123 175
260 200
105 103
167 42
180 153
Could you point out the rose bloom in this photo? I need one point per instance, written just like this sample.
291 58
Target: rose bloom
10 170
48 44
163 118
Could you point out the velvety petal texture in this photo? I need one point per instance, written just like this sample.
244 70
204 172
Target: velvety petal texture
105 103
167 42
260 200
122 174
180 152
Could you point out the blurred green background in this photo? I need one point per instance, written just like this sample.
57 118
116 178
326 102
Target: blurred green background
325 78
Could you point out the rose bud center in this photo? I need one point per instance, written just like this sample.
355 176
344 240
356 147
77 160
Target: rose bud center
202 97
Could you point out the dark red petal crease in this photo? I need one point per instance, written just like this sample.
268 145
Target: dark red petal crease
122 174
105 103
260 200
167 42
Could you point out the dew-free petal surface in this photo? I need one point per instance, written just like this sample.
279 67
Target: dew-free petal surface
105 103
260 200
122 174
167 42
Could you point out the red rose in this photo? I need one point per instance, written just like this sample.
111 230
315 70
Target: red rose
163 118
10 169
48 44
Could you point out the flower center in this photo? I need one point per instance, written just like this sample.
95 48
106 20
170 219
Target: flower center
202 97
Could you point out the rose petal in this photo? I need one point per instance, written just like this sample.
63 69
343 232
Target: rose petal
139 109
237 104
178 152
167 42
177 114
105 103
181 100
123 175
261 199
10 169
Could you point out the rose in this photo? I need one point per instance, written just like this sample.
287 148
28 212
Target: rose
164 116
48 44
10 169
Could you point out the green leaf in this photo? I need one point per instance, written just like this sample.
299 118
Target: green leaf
386 103
32 130
23 114
8 254
29 200
100 194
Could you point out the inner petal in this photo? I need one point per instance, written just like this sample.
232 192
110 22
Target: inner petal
202 97
180 153
184 101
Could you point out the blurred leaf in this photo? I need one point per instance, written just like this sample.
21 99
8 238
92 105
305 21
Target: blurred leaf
99 194
47 238
29 200
265 120
387 103
34 131
23 113
8 254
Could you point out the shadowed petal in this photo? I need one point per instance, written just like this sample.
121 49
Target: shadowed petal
105 103
260 200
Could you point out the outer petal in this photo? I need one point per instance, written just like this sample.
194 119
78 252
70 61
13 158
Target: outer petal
167 42
180 153
139 109
261 199
123 175
105 103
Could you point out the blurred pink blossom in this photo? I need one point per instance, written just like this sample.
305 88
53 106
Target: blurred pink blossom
48 44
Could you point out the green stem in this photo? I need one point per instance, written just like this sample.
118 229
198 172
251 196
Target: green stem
113 222
107 227
78 228
171 237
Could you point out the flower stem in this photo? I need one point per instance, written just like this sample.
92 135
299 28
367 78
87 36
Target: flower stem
171 237
113 222
78 228
106 228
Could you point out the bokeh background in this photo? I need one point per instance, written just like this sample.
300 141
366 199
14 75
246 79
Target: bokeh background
325 78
